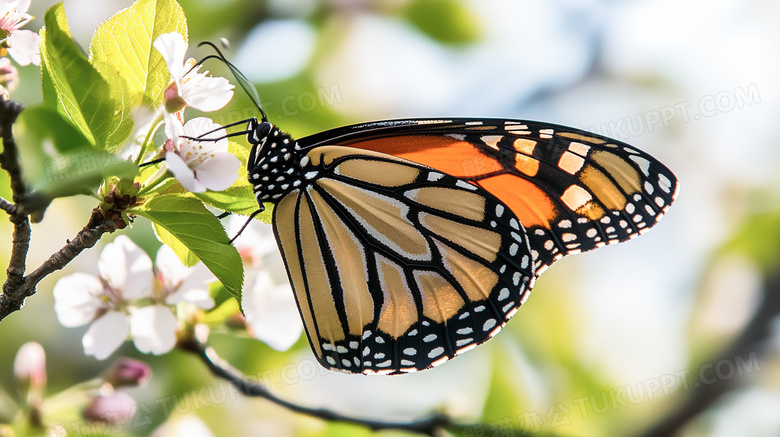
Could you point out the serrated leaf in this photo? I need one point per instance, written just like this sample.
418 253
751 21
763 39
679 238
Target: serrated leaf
238 199
40 123
82 171
47 86
201 232
185 255
121 50
82 92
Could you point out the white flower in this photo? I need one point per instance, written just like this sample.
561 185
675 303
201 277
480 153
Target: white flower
267 299
270 311
183 426
22 45
123 300
124 274
199 165
153 329
181 283
257 247
188 86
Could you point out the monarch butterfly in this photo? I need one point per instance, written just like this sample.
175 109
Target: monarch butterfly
409 242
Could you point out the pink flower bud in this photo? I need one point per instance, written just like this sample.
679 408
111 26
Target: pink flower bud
9 76
116 408
127 372
30 366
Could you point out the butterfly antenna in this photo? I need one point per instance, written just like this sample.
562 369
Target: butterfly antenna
249 220
154 161
242 80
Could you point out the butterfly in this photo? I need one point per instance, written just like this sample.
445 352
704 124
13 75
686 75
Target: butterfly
409 242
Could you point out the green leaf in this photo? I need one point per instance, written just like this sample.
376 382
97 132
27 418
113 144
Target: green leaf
186 219
238 199
446 21
83 171
59 160
47 86
121 50
185 255
82 92
39 123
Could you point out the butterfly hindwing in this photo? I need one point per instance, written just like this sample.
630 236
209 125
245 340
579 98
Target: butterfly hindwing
572 190
398 267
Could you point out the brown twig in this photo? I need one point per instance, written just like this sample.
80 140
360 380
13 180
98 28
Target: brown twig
9 161
427 426
751 340
17 286
15 293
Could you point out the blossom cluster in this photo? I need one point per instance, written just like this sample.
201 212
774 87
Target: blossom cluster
129 297
197 165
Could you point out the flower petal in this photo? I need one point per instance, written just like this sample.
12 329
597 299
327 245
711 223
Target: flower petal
271 312
105 334
219 172
153 329
183 426
172 48
183 174
258 249
127 268
200 125
173 126
170 271
195 288
207 94
255 241
21 6
76 299
23 47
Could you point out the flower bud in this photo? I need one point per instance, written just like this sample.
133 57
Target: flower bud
115 408
9 76
127 372
30 366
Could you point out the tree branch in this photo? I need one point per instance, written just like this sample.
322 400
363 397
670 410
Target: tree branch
13 297
9 161
751 340
17 287
7 206
428 426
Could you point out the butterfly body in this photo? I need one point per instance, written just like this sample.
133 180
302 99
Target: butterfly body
408 242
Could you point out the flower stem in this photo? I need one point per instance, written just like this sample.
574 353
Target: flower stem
148 139
154 180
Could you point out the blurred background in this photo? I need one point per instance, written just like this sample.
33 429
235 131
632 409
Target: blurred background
611 342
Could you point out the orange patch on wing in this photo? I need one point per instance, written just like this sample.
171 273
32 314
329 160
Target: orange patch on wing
529 203
449 155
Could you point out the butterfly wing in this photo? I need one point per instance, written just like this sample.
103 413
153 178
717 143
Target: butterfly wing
572 190
397 267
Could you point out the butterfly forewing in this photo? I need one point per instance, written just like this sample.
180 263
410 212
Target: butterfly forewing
398 267
572 190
